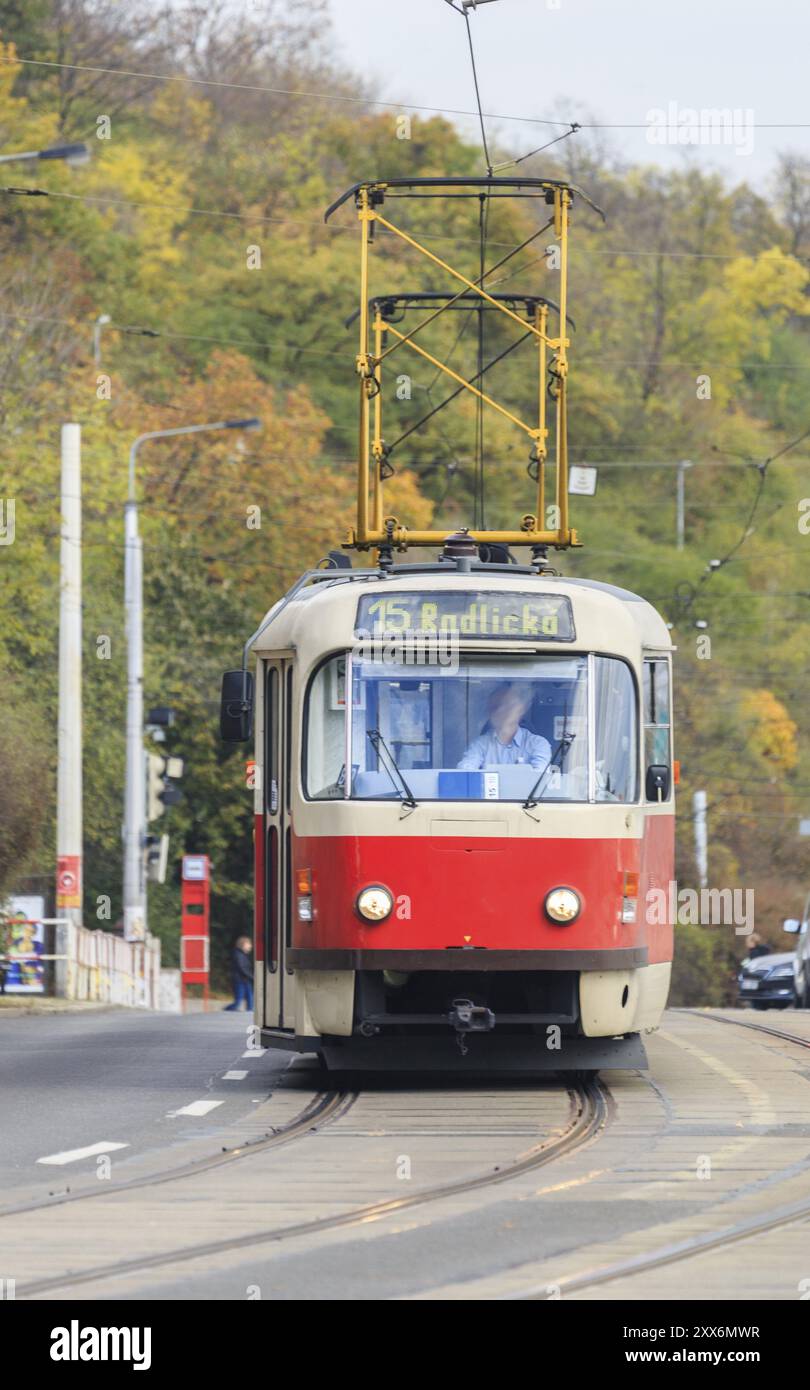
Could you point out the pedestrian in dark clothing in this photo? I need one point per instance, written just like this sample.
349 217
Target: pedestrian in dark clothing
242 974
756 947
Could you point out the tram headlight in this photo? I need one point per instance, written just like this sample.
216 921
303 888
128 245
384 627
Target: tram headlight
375 903
562 905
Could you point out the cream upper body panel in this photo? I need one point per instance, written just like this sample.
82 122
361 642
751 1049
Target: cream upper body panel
321 618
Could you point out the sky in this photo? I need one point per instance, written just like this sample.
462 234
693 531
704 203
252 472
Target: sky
613 61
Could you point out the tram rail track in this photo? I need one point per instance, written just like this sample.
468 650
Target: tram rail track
591 1110
320 1110
693 1245
744 1023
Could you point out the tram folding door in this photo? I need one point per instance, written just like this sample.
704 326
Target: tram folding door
279 981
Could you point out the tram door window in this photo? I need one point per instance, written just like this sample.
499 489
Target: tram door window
272 809
657 718
278 713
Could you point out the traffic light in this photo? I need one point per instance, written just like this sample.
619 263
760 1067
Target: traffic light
160 791
157 857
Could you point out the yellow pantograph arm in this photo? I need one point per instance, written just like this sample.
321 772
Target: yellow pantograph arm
534 433
471 285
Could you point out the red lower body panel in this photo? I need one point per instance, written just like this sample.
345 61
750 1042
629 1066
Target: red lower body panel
453 892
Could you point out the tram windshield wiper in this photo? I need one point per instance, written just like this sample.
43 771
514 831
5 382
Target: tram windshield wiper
557 756
391 766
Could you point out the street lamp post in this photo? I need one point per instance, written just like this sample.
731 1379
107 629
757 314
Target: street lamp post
135 791
72 154
101 322
680 502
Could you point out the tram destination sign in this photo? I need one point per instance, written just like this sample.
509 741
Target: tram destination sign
499 615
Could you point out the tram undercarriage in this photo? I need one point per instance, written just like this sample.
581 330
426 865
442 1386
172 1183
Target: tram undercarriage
523 1020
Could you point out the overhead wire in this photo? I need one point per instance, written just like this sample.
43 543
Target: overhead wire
321 95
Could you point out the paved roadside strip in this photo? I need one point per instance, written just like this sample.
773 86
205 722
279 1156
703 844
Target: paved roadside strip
43 1004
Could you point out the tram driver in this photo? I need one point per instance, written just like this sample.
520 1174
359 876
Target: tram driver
505 740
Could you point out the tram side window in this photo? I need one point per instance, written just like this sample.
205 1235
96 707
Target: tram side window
326 731
657 721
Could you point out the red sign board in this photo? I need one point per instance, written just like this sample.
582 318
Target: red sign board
195 920
69 881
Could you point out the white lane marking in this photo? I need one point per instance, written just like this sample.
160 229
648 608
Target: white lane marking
255 1052
73 1155
234 1075
197 1107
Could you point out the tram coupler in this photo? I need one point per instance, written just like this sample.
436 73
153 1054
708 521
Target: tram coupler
467 1017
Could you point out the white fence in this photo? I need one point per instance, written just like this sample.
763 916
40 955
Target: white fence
97 966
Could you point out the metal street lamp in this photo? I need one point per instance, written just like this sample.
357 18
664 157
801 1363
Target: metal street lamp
135 790
100 323
72 154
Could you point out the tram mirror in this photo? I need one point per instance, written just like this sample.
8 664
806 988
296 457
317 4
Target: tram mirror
236 707
657 787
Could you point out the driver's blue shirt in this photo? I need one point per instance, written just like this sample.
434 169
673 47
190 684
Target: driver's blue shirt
487 751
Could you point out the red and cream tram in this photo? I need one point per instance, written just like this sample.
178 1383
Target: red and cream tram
465 798
465 792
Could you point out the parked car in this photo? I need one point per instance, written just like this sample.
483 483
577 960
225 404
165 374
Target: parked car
767 982
801 926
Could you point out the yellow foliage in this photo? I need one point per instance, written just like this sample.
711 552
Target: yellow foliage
184 116
770 732
403 499
770 283
734 316
138 174
20 129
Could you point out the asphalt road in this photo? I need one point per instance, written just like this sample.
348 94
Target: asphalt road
72 1081
715 1134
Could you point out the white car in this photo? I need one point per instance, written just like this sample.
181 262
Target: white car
801 962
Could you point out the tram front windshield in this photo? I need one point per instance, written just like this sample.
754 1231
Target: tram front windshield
486 729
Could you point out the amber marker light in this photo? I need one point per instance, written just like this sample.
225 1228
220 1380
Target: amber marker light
629 896
303 885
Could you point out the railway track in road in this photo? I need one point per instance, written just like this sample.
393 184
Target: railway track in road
693 1245
744 1023
319 1111
590 1112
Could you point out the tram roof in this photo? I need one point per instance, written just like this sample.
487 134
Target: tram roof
327 600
